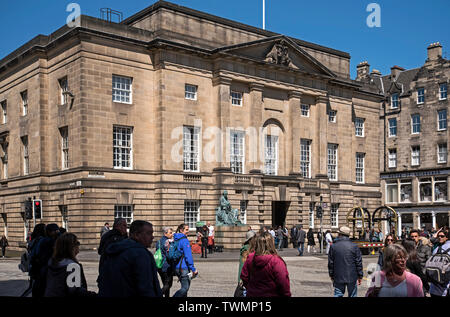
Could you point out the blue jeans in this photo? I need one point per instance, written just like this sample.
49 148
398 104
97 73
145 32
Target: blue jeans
185 284
339 289
301 247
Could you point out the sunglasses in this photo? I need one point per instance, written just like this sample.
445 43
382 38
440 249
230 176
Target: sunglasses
389 239
441 236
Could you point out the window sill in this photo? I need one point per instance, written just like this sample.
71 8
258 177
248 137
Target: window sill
122 103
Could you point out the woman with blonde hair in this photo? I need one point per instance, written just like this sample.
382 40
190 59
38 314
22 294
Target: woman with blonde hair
394 280
264 273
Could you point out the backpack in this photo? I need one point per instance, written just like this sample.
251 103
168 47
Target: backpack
175 253
25 262
437 268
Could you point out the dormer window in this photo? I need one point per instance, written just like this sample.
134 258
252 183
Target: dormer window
394 101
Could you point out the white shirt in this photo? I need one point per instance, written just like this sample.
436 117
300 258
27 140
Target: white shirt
272 233
328 237
211 231
387 290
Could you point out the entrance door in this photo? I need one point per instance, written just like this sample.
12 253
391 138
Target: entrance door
279 211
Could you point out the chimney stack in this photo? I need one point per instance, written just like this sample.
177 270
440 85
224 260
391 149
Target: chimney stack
395 70
362 70
434 51
375 72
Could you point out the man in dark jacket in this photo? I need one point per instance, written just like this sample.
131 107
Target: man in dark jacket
301 240
118 233
345 264
166 271
44 251
129 269
294 232
423 251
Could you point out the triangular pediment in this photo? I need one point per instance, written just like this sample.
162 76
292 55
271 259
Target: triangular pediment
278 50
395 87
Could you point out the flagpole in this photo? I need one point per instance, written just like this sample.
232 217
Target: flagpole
264 14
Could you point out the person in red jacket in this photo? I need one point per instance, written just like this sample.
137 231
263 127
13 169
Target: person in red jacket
264 273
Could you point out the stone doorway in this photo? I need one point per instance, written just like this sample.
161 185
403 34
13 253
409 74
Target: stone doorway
279 212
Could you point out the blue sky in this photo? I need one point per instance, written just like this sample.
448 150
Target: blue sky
407 26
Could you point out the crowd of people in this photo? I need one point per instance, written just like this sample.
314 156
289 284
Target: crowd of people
128 269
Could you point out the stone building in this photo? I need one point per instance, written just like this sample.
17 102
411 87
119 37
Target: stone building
415 169
154 117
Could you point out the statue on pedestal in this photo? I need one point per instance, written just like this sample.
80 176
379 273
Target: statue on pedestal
225 215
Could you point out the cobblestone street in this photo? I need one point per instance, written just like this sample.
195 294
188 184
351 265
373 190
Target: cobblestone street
217 275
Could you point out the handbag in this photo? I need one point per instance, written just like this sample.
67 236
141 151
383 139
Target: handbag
159 258
240 290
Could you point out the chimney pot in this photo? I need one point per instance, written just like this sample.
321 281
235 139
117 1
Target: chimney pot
434 51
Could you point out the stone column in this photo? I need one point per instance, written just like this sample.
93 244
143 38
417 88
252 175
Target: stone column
433 217
292 145
256 122
322 127
222 89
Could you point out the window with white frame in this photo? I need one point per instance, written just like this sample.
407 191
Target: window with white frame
392 158
360 167
4 112
442 91
332 162
122 89
392 127
271 155
5 161
420 95
415 155
425 189
63 89
442 153
332 116
305 158
442 119
305 110
243 209
405 191
391 192
64 147
190 92
440 189
334 215
24 97
415 124
26 156
191 212
236 98
123 147
237 159
191 144
394 101
359 127
312 207
125 212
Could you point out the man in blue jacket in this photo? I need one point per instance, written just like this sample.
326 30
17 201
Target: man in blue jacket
129 269
345 264
186 263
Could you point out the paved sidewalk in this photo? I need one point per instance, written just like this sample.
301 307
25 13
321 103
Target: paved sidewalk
226 256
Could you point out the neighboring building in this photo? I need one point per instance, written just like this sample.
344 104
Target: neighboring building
415 169
117 120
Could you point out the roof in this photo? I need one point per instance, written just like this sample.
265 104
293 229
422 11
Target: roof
403 81
203 15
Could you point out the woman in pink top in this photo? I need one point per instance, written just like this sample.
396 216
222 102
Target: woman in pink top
264 273
394 280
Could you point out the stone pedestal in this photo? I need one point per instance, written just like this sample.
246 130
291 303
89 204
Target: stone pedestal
231 237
